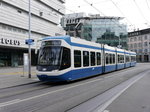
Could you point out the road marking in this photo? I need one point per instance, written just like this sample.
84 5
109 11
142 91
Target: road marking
9 103
106 111
16 73
105 105
38 96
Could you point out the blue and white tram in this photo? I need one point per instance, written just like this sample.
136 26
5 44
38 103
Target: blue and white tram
110 58
132 58
66 58
127 59
120 58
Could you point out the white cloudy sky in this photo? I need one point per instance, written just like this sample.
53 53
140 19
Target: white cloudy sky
136 12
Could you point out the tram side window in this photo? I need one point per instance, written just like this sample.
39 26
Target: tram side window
118 58
92 57
133 58
113 58
127 59
122 58
85 58
77 58
66 59
98 58
107 58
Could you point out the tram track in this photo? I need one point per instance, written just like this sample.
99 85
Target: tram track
42 97
22 89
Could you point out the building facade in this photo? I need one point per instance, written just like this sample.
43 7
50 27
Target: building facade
45 19
139 42
106 30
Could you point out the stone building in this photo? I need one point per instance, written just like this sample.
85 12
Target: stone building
139 41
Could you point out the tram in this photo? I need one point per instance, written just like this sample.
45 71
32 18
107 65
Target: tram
65 58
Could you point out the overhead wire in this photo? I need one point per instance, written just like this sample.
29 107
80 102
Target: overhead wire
122 13
140 11
147 4
102 13
95 8
46 11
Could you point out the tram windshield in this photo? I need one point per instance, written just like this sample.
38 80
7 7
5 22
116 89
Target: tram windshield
50 55
54 57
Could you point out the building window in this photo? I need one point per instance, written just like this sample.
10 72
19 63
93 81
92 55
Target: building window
4 26
145 44
140 38
140 45
145 37
135 45
131 46
9 28
140 50
77 58
0 3
41 13
19 11
14 29
134 38
145 50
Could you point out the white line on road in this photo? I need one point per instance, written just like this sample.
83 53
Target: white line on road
41 95
9 103
105 105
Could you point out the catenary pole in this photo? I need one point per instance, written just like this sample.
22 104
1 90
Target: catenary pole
29 50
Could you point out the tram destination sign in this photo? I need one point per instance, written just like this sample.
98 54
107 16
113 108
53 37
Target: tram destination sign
51 43
9 41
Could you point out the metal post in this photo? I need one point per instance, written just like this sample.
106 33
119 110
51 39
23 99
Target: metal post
29 50
119 40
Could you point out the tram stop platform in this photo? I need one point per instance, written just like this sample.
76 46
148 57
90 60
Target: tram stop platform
14 76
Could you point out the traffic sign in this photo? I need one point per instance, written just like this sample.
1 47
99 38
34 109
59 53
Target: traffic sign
29 41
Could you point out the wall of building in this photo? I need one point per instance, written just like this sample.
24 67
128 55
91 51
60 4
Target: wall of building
106 30
139 42
45 19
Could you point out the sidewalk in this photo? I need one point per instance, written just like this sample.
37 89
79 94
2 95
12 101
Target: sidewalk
14 76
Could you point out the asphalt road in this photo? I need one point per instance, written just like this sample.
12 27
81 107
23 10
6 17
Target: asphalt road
42 97
135 99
